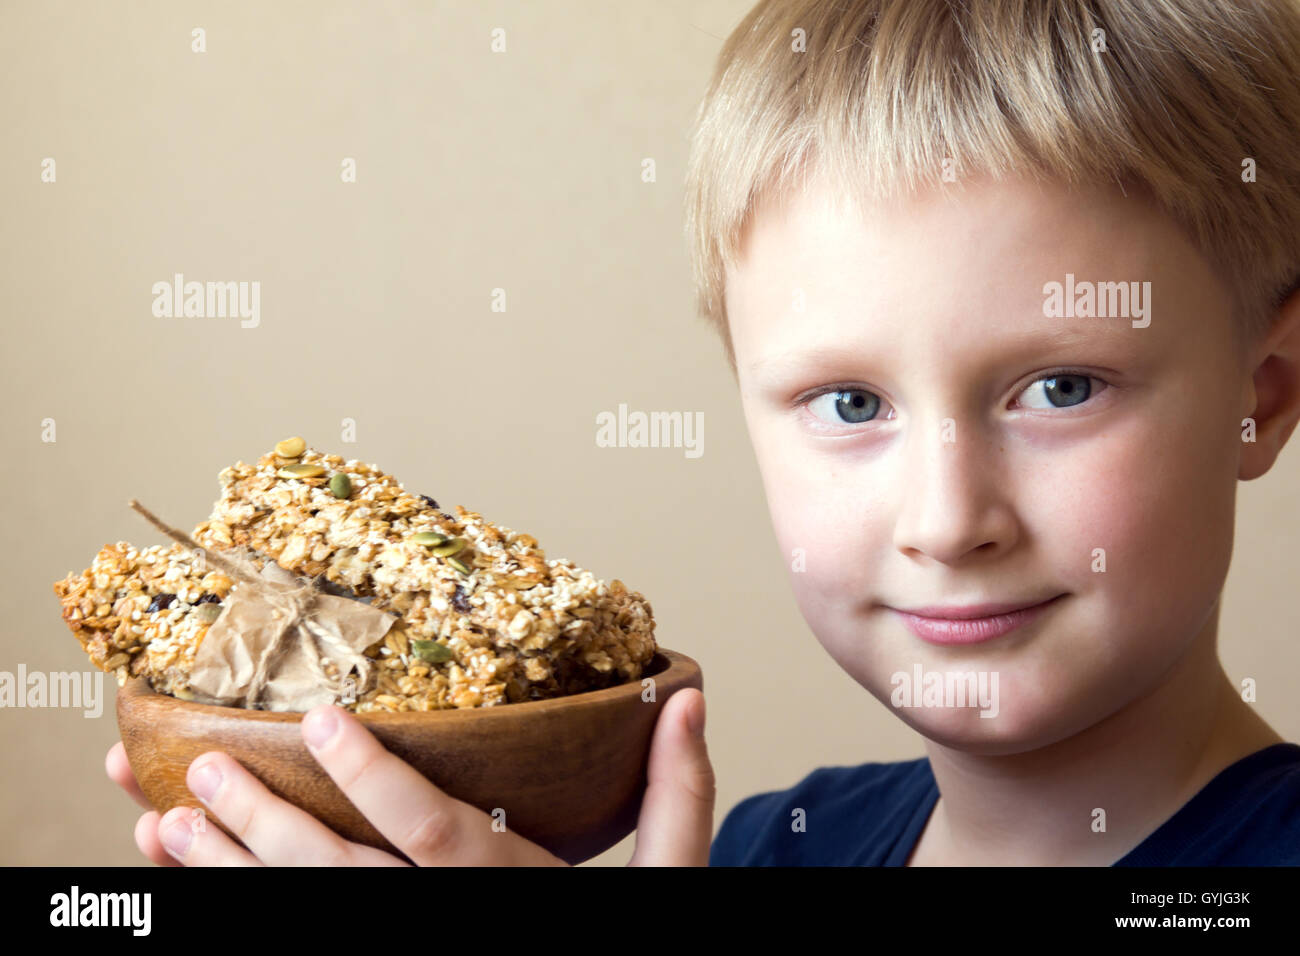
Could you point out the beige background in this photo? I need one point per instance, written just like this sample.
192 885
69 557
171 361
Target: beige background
475 171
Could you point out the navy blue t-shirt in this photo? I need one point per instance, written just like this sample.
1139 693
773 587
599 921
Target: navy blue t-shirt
873 815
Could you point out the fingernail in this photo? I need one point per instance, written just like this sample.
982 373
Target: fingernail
319 726
206 780
176 838
696 718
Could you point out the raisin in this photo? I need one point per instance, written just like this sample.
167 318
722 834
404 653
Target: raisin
161 602
208 599
447 516
429 501
459 601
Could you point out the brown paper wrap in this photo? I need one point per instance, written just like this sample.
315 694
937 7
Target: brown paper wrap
265 650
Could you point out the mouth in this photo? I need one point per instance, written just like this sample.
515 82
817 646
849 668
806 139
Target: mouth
973 623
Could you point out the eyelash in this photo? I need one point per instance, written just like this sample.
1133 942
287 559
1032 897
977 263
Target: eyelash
845 387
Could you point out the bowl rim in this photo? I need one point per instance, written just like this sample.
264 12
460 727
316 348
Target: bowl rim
677 671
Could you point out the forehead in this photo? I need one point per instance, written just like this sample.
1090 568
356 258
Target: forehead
817 272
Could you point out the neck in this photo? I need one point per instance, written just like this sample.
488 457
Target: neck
1140 765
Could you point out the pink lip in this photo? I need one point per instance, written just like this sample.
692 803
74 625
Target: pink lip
970 624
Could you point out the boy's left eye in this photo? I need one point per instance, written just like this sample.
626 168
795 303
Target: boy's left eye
1061 390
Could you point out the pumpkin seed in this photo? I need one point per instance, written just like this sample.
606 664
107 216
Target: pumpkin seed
430 538
207 613
301 471
459 565
290 447
341 485
431 651
450 548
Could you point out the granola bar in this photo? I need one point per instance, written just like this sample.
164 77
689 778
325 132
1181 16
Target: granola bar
140 612
519 627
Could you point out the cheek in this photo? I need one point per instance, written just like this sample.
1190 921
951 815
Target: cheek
832 537
1155 501
818 510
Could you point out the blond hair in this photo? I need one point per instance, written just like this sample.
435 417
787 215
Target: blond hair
877 94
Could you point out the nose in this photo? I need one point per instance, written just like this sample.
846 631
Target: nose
954 500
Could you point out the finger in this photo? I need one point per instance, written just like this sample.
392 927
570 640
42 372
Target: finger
430 827
146 838
275 831
196 841
676 821
120 772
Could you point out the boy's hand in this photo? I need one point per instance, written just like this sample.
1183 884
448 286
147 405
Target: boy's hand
674 828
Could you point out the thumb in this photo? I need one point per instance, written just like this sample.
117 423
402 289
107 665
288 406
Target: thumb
676 822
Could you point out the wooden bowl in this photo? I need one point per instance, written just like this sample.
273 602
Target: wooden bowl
569 772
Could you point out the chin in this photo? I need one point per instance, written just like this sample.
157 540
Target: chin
963 729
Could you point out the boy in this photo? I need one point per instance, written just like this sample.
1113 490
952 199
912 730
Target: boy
1000 423
1000 418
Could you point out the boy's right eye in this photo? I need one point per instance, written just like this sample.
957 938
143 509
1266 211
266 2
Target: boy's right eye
850 406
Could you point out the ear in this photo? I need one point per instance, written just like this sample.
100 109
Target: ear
1276 380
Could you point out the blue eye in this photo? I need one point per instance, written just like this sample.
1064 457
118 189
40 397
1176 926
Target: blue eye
1062 390
847 407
